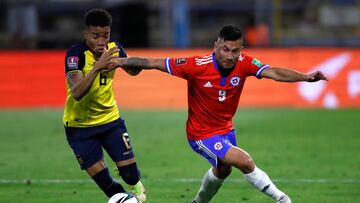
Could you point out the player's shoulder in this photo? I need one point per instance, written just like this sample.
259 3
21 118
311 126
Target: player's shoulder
114 43
203 60
77 49
244 59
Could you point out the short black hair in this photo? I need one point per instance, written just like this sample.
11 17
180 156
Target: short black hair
230 33
97 17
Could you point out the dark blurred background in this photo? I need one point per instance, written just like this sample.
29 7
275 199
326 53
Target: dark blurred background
56 24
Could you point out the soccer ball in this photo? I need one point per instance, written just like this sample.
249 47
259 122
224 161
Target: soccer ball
123 198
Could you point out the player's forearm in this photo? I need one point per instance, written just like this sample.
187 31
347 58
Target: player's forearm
82 86
287 75
143 63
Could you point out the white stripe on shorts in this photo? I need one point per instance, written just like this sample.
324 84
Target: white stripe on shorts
206 150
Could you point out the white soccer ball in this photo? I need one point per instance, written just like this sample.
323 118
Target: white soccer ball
123 198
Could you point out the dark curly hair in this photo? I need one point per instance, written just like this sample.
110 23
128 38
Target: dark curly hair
97 17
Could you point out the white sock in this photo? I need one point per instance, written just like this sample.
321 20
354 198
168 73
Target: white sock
210 185
260 180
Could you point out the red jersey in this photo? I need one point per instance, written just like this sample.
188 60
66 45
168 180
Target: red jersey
212 98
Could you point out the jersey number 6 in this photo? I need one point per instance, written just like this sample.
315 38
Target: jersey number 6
102 79
126 139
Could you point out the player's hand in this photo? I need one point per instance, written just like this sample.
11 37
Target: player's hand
113 64
106 59
120 62
316 76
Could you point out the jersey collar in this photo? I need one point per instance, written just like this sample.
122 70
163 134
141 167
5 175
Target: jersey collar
215 62
223 79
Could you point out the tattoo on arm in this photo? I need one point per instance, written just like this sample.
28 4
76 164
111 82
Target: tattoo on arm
72 77
136 62
144 63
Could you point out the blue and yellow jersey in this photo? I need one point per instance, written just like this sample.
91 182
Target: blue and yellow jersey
98 105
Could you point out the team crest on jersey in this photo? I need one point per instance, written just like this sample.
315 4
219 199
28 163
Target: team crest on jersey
218 146
234 81
72 62
180 61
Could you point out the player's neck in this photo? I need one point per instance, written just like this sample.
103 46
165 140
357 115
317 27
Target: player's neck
225 71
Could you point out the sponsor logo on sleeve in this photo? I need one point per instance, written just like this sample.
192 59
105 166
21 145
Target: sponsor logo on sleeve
72 62
256 62
180 61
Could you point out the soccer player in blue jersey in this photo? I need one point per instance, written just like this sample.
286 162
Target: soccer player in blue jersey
91 117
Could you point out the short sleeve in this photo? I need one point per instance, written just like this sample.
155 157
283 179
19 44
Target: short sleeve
74 59
122 52
254 66
181 67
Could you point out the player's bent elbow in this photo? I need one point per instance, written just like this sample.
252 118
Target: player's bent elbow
134 71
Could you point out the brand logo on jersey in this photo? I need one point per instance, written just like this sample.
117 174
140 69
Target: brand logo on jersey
208 84
72 62
218 146
241 57
180 61
235 81
256 62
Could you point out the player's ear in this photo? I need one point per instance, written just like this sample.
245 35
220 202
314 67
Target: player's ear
85 34
216 43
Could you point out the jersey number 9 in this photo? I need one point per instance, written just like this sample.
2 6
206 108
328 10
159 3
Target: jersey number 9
222 95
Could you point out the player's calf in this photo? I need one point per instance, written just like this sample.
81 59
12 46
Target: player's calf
131 176
284 199
106 183
260 180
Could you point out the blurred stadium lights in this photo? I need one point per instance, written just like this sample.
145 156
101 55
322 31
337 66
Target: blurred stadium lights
185 23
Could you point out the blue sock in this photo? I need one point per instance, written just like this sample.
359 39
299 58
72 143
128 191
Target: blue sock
107 183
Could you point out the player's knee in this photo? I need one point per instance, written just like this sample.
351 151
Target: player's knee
224 172
246 164
130 174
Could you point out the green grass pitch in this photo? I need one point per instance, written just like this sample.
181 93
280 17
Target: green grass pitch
313 155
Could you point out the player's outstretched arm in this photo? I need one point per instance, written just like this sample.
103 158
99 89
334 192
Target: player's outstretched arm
140 63
289 75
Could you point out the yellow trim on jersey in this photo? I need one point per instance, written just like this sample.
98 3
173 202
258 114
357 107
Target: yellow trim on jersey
98 105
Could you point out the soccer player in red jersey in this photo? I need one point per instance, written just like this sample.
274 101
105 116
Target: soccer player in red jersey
215 83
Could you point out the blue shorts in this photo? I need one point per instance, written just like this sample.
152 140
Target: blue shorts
214 147
87 143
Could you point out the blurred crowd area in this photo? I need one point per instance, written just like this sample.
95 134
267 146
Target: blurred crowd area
56 24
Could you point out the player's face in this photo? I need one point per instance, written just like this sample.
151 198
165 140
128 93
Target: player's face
97 38
227 52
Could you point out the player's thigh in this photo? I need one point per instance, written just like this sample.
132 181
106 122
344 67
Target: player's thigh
86 148
213 149
117 143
